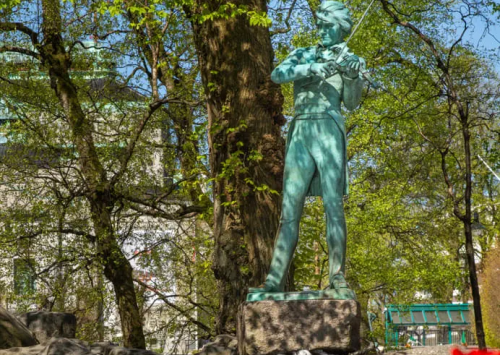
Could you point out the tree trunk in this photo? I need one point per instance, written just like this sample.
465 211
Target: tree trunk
116 266
118 270
469 246
246 148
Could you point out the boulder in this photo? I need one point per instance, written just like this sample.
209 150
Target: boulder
223 344
13 333
226 340
46 325
216 349
118 350
101 348
64 346
27 350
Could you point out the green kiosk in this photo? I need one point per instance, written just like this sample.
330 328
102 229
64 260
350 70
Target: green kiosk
428 324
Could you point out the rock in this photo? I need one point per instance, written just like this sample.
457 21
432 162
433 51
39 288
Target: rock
319 352
226 340
428 350
224 344
13 333
64 346
233 344
272 327
101 348
27 350
45 325
118 350
216 349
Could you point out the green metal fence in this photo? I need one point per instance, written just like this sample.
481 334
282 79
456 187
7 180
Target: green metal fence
428 324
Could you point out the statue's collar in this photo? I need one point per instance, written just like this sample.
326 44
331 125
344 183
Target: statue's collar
336 48
322 53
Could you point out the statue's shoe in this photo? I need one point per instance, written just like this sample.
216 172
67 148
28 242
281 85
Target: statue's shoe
265 287
338 282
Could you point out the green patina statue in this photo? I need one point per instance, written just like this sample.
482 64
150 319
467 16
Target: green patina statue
315 164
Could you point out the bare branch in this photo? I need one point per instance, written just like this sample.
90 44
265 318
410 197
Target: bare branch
129 149
174 306
17 26
459 39
288 27
24 51
440 63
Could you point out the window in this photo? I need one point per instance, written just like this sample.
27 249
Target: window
24 276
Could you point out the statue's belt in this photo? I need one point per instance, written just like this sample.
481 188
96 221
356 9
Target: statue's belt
313 118
309 117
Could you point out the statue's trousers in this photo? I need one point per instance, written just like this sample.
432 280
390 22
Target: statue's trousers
316 145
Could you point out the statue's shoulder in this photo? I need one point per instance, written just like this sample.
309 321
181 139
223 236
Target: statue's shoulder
303 53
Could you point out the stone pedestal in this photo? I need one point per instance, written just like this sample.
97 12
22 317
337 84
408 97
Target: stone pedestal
45 325
273 327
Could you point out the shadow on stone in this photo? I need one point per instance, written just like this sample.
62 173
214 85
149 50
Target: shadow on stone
272 327
46 325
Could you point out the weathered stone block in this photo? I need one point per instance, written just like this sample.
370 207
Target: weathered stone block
101 348
273 327
13 333
63 346
26 350
118 350
45 325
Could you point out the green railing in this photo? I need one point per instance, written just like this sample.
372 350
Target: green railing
428 324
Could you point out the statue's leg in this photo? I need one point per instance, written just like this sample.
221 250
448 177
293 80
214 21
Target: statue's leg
299 170
329 154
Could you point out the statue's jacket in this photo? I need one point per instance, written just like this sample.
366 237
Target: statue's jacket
317 98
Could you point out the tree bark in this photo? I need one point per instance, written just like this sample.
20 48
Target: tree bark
118 270
469 245
246 148
116 266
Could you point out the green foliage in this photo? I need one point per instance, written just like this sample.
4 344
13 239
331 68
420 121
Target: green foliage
489 297
231 10
8 4
404 244
49 191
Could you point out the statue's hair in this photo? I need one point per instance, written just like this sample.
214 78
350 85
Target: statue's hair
335 12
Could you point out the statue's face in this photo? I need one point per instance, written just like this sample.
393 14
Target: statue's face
329 32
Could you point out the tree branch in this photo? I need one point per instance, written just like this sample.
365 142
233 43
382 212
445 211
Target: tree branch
450 190
17 26
288 27
24 51
173 305
129 149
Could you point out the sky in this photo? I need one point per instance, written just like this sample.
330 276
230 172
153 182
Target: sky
480 38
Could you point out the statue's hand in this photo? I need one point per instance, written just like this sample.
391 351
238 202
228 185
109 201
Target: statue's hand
350 66
323 70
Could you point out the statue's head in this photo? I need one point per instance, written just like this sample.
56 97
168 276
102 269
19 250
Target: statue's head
333 21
